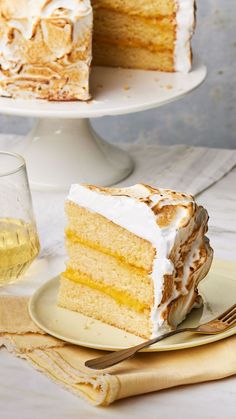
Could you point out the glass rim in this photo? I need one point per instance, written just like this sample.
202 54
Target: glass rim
21 163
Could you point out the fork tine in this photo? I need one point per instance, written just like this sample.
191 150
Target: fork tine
223 315
226 318
229 315
232 320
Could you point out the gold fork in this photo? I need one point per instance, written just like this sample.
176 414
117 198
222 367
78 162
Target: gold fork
223 322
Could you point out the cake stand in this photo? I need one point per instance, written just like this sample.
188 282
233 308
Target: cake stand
62 148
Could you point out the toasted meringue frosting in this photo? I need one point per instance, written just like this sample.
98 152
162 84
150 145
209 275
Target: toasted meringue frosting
45 48
168 220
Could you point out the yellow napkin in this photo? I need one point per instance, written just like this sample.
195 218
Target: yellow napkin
64 363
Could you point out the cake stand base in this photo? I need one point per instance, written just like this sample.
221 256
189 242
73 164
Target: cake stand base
59 152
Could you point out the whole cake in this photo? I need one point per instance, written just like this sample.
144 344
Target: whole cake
136 256
46 45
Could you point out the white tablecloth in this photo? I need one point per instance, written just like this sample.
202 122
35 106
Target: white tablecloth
26 394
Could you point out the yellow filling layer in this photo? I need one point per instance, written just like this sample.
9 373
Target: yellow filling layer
122 43
167 20
74 238
156 9
120 296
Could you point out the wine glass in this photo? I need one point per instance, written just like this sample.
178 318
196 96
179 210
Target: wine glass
19 243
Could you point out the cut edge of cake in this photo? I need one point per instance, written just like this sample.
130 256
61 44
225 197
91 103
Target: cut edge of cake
155 36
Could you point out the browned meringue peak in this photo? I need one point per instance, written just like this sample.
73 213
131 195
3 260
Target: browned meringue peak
57 37
45 49
17 9
164 203
142 192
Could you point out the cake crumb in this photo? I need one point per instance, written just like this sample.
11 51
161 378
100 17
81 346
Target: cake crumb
88 325
169 86
126 87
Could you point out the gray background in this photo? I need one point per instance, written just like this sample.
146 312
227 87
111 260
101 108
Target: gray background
207 116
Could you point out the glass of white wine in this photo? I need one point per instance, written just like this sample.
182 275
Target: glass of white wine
19 243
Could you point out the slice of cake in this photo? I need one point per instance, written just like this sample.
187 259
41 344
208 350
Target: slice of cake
150 34
136 256
45 49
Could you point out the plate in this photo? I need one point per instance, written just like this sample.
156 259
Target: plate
218 290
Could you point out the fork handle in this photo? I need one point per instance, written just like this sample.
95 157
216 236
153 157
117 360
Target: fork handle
159 338
114 358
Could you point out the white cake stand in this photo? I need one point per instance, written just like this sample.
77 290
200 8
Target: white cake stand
63 149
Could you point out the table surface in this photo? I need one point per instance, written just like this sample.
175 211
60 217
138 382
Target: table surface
27 391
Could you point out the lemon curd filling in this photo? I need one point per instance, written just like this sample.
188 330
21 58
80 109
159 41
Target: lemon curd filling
122 43
163 41
72 237
121 297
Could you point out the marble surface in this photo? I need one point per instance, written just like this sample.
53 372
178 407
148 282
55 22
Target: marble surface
25 393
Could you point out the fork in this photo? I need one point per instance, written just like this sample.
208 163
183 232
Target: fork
222 323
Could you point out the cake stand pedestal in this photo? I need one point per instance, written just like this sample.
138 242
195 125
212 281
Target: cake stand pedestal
62 148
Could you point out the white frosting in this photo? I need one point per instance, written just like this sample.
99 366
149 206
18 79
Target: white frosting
185 25
136 216
24 26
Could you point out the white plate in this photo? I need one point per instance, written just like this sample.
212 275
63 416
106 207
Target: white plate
218 291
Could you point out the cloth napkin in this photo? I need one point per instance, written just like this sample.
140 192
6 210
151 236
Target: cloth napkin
147 372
